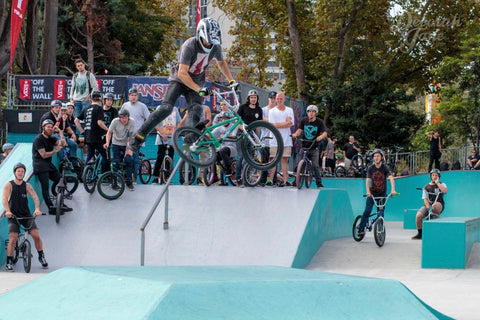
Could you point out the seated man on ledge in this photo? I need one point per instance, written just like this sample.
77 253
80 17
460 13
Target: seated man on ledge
472 161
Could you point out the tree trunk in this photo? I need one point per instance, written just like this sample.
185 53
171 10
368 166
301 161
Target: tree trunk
90 53
297 50
49 43
31 36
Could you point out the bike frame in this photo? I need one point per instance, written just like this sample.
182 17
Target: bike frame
380 203
430 210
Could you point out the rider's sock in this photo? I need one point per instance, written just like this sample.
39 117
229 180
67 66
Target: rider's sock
419 232
40 253
9 259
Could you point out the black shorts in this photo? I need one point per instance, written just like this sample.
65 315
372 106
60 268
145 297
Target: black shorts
26 223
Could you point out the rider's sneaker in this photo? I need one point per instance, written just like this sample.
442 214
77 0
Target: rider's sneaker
418 236
201 125
320 185
137 143
9 267
53 211
130 186
269 184
361 233
66 208
43 261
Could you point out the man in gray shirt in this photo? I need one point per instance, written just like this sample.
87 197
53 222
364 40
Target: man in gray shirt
187 77
83 83
120 134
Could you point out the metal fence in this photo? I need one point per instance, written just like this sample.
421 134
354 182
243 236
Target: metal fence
410 163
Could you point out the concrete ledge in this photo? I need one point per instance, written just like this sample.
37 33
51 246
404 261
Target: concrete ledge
447 241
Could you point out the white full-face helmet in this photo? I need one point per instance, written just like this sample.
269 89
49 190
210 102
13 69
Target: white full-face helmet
209 29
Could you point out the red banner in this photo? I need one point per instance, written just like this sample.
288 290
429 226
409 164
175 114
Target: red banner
25 88
18 10
59 88
199 9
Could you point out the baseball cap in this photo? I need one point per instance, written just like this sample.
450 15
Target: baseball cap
272 94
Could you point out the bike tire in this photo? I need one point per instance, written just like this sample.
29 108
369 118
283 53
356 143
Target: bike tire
71 184
111 185
233 177
208 174
81 166
263 134
192 172
355 234
340 171
299 178
166 169
89 179
27 255
194 148
251 176
379 232
308 176
358 162
16 252
58 206
145 171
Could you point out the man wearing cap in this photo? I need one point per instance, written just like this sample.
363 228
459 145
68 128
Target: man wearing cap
95 129
250 111
312 130
7 148
53 114
120 134
109 112
140 113
44 147
187 77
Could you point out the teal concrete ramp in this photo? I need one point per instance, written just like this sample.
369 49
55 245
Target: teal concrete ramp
211 293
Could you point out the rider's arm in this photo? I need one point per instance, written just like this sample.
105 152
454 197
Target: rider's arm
442 186
286 124
48 154
322 136
108 138
78 125
297 133
392 184
102 125
184 119
7 192
35 199
184 76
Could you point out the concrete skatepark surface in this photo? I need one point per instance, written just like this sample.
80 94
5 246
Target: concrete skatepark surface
107 233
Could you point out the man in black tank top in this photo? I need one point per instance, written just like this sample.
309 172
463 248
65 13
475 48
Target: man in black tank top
435 149
15 202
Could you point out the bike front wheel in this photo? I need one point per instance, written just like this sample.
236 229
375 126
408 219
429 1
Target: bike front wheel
59 205
89 179
191 174
166 169
208 175
355 229
379 232
145 171
27 255
194 147
300 177
251 176
257 144
111 185
340 171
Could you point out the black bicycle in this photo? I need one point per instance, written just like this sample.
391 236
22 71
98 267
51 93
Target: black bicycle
65 187
144 169
23 247
305 167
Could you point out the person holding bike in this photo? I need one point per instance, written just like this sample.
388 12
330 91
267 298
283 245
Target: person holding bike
15 202
313 130
45 145
188 77
376 185
432 196
228 149
164 141
120 134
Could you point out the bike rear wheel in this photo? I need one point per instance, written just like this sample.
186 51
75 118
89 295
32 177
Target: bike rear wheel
356 224
145 171
166 169
27 255
379 232
193 147
71 185
300 177
251 176
255 145
59 205
89 179
358 162
111 185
